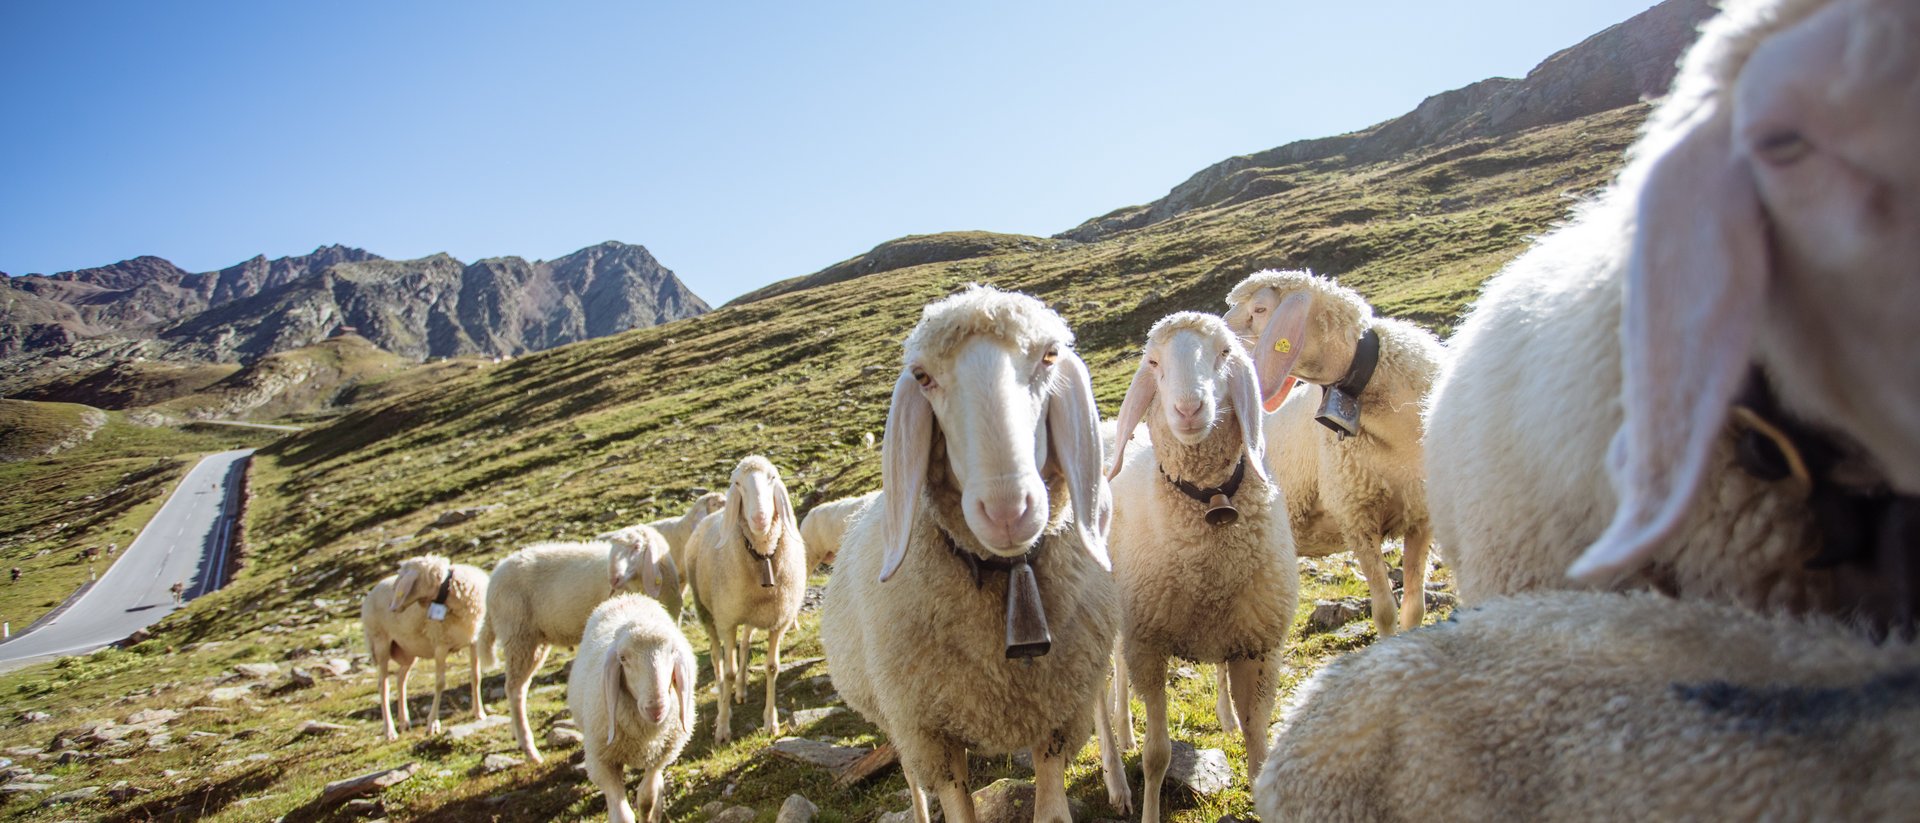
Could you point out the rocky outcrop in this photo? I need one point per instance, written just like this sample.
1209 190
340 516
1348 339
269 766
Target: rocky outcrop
1617 67
912 250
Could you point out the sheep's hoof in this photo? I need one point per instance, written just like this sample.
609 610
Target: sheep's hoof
391 736
433 728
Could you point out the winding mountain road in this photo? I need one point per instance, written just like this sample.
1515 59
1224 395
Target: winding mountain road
185 542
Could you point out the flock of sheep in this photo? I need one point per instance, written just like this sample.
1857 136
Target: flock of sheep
1672 456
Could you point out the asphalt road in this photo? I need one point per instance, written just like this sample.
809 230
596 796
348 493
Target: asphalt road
185 542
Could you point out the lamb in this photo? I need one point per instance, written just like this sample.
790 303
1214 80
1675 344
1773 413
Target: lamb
631 690
1756 252
431 607
747 569
1346 493
1564 706
823 527
991 431
1195 583
541 596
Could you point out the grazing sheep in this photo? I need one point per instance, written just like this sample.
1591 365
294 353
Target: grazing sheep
1757 250
1565 706
748 570
823 527
431 607
540 597
641 553
677 530
631 691
1193 583
1345 493
991 431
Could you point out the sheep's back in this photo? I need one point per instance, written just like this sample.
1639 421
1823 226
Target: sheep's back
1597 706
924 654
549 590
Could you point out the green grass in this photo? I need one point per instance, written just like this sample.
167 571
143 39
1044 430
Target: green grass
578 439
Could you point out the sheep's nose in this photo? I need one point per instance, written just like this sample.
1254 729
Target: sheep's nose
762 521
1187 408
656 711
1006 515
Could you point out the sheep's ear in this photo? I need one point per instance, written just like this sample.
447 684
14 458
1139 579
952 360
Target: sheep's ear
683 681
403 584
1073 424
1279 347
611 682
903 465
1132 409
1696 284
649 574
1243 387
783 507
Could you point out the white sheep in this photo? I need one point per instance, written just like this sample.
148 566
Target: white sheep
747 569
1345 493
1194 584
540 597
826 524
641 554
431 607
993 502
677 530
1578 706
631 691
1762 228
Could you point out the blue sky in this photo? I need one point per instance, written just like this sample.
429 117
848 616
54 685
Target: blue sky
741 142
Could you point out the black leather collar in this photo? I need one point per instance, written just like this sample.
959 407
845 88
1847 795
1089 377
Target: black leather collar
446 588
1229 488
1366 355
979 566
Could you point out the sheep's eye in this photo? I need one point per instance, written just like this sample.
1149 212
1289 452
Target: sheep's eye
1783 147
920 376
1152 362
1051 356
1259 309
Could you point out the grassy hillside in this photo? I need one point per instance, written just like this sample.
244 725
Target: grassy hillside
575 440
309 381
98 492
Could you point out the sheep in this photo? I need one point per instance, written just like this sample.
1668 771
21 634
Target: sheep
991 431
678 529
1345 493
747 569
1756 250
431 607
641 553
631 691
823 527
541 596
1192 586
1562 706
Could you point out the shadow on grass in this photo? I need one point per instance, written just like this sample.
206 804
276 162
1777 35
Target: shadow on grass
546 796
205 800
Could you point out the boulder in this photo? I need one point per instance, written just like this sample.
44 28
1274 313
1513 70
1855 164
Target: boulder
496 763
341 791
797 809
1205 771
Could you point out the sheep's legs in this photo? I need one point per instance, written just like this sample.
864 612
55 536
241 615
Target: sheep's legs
719 660
1223 701
1122 705
1112 768
406 676
744 665
723 715
523 659
1373 564
917 801
650 797
479 705
773 677
1413 576
439 685
955 803
1149 673
386 698
612 782
1050 755
1253 686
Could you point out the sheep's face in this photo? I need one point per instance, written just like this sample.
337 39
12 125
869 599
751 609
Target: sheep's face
634 558
996 375
655 678
757 511
1777 220
757 504
990 399
1828 113
418 581
1192 372
1271 323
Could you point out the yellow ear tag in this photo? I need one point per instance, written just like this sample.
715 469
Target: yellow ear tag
1283 345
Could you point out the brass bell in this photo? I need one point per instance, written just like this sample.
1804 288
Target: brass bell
766 572
1027 634
1220 511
